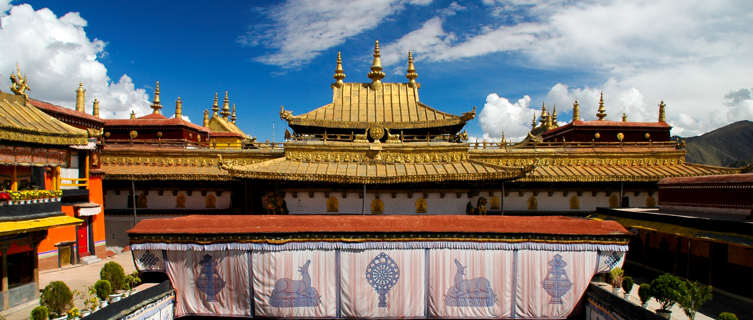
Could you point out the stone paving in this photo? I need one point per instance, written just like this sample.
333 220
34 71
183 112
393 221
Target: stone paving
77 277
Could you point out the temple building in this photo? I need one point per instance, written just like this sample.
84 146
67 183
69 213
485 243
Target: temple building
36 151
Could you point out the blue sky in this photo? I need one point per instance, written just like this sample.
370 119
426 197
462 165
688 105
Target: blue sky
505 57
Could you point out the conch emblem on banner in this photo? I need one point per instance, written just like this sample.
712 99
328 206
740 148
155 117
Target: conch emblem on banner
556 283
208 280
290 293
382 273
476 292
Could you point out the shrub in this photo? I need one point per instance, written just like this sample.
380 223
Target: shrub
692 296
39 313
627 284
113 272
727 316
56 296
615 277
666 289
644 292
103 289
132 280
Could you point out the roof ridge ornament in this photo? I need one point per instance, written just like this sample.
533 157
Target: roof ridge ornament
376 73
576 111
411 72
215 105
80 94
226 107
602 112
95 108
662 112
624 117
206 119
544 115
234 116
156 106
179 108
339 74
554 116
19 84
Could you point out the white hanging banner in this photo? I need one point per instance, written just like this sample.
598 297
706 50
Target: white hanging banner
383 283
210 283
550 283
295 284
149 260
470 283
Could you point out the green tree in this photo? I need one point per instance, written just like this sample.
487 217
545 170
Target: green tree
103 289
692 296
57 297
644 292
727 316
39 313
114 273
666 289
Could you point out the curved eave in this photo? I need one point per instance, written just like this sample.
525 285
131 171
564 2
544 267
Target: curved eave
364 125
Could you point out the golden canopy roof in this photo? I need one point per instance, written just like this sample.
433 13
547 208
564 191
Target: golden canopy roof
22 122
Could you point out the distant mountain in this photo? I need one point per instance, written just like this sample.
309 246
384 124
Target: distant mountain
729 146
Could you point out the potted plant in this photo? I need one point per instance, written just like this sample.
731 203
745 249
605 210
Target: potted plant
627 286
692 296
114 273
615 278
57 297
727 316
666 289
132 280
103 289
39 313
644 293
73 314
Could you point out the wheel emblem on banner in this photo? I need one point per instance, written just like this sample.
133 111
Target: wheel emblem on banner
382 273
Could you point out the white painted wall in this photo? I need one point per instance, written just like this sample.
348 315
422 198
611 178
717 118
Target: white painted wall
167 200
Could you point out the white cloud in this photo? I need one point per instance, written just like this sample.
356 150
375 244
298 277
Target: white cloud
499 114
303 29
690 54
56 54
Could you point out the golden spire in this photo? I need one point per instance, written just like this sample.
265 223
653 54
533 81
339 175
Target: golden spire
554 116
376 73
533 123
215 106
411 72
133 114
624 117
156 106
179 108
339 74
95 108
576 111
80 92
226 107
602 112
662 114
206 118
544 114
234 117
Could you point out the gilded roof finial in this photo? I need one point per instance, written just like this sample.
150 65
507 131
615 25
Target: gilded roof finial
215 106
95 108
554 116
602 112
544 114
533 123
662 114
376 73
179 108
234 117
411 72
624 117
133 114
206 118
226 107
19 84
576 111
339 74
156 106
80 92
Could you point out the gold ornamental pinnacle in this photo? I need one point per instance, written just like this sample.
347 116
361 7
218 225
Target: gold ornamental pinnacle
376 73
411 72
602 112
339 74
576 111
156 105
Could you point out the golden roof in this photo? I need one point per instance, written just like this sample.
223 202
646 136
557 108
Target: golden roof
22 122
369 164
361 105
219 124
607 163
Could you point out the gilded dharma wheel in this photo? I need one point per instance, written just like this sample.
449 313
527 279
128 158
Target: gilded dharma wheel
376 133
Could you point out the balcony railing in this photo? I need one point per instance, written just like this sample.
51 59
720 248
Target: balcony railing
67 183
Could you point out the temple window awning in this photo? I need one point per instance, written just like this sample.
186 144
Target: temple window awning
30 225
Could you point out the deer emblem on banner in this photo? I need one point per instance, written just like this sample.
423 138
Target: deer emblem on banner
476 292
289 293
